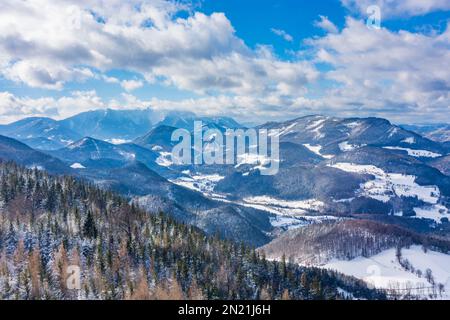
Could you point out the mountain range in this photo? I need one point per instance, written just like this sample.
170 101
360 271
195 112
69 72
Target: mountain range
333 171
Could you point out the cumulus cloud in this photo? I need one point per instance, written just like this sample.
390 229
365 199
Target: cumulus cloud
394 74
325 24
40 75
45 43
395 8
242 107
109 79
130 85
286 36
13 108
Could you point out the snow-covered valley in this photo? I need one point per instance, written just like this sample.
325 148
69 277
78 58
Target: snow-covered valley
386 186
427 275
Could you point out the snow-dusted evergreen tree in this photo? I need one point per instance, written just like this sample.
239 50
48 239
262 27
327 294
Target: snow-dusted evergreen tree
50 227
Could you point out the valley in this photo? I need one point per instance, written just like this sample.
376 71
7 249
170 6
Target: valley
332 171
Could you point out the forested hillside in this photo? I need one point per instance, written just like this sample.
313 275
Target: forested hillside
48 223
346 240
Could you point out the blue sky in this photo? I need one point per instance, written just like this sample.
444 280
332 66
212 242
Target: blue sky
254 60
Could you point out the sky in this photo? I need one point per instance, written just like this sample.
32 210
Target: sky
254 60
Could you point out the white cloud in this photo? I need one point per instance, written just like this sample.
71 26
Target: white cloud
13 108
200 53
286 36
109 79
39 75
242 107
325 24
46 44
395 8
130 85
392 74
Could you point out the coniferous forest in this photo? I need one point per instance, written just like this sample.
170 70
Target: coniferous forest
51 224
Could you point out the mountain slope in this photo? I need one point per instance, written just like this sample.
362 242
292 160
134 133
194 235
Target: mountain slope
112 124
406 264
126 253
337 135
135 180
155 193
442 164
186 121
11 149
159 138
40 133
435 132
89 150
360 165
346 240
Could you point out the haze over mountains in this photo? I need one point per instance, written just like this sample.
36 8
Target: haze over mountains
331 170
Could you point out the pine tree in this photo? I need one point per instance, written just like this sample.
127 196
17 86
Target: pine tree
89 228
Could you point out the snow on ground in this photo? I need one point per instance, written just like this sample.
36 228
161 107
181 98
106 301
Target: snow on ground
353 125
316 149
345 146
304 205
36 167
289 223
251 158
315 126
66 142
435 212
164 159
201 183
128 155
404 185
288 129
344 200
409 140
387 185
416 153
383 270
77 165
117 141
288 214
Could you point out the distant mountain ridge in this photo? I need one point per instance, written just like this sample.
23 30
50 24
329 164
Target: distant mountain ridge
329 167
112 124
436 132
115 126
333 172
41 133
13 150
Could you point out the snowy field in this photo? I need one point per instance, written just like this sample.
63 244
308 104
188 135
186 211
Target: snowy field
345 146
416 153
288 214
200 183
77 165
383 271
164 159
388 185
316 149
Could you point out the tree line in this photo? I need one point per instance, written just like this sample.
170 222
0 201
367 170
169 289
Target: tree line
51 223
